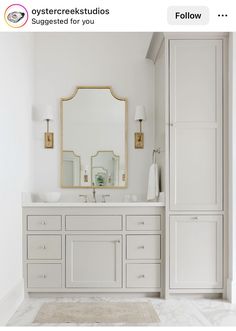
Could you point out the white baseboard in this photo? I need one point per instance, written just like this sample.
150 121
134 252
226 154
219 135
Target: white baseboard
10 302
231 290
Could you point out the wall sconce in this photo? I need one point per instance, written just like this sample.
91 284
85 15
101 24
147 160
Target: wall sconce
140 115
48 136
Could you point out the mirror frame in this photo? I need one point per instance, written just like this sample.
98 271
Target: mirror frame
63 99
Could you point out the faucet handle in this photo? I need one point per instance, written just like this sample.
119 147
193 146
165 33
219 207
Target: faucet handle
84 196
104 196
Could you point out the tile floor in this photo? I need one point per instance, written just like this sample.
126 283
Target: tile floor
172 312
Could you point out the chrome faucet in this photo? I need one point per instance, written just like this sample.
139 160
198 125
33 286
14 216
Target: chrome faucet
94 193
104 197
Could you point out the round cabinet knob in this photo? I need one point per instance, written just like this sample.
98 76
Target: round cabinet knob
43 222
195 218
44 247
44 276
141 276
141 247
141 223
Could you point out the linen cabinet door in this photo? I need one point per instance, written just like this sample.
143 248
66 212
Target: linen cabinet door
196 250
93 261
196 125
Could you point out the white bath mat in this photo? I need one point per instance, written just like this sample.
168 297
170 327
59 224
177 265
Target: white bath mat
98 313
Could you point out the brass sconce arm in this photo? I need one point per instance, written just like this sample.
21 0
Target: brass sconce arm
48 136
140 115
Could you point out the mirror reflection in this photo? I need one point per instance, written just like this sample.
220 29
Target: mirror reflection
71 168
94 139
105 169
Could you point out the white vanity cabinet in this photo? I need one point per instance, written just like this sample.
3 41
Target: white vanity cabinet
191 104
196 125
196 165
196 251
93 261
93 249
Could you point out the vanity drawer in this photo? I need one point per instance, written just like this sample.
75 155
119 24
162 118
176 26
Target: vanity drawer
144 275
44 247
43 223
143 222
144 247
94 223
44 275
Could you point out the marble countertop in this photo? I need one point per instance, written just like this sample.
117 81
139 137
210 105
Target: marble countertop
92 204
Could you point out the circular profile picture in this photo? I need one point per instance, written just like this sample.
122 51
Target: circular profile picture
16 15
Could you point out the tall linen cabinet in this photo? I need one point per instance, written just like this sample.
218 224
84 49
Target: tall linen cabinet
191 105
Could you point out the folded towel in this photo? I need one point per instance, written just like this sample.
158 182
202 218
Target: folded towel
153 182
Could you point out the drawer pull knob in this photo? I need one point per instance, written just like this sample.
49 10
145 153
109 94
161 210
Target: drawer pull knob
141 223
141 276
195 218
43 222
118 241
44 276
141 247
43 247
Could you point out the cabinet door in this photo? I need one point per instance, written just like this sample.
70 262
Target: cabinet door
196 252
93 261
196 125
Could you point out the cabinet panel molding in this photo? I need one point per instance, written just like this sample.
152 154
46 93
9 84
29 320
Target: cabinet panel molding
93 261
196 252
196 159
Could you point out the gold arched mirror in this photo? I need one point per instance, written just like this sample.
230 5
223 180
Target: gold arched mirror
94 129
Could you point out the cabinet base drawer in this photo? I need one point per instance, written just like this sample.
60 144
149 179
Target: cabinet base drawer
143 222
44 247
43 223
94 223
143 247
42 275
144 275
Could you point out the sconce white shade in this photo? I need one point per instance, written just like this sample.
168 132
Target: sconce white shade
140 113
48 113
